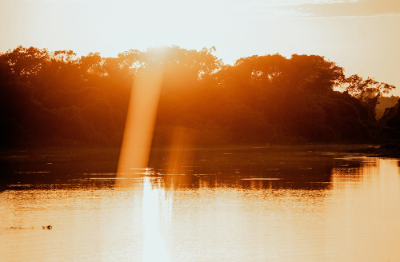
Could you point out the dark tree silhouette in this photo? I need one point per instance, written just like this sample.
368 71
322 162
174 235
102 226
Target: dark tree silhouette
58 98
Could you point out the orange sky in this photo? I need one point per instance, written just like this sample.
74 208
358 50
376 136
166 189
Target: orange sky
361 36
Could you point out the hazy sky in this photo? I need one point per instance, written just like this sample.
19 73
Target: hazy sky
361 36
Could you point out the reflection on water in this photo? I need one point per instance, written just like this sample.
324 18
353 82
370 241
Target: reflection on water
156 217
346 210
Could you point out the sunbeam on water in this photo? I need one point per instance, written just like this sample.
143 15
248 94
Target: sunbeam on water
155 222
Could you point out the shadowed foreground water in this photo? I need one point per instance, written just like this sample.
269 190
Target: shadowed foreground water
347 210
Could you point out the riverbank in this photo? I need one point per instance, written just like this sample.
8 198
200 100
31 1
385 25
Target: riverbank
389 150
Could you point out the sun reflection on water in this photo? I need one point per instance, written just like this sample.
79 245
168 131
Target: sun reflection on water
156 217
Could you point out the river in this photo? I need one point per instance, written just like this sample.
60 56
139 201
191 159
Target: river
227 204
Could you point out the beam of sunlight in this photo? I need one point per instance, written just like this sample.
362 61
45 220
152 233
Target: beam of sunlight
140 122
179 157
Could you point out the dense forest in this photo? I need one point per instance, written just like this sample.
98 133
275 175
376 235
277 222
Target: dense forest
383 103
60 99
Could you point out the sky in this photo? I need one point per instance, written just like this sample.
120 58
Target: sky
363 36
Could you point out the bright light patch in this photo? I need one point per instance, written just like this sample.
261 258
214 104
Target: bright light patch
140 121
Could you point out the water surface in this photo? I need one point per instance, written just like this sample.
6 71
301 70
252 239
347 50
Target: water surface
212 205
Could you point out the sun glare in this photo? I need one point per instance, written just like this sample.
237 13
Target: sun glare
140 121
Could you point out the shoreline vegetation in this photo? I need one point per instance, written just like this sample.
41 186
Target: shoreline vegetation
57 99
388 150
111 153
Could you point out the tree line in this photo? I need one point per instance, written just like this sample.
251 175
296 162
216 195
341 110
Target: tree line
60 99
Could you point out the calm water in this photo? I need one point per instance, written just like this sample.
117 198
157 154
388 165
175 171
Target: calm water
220 205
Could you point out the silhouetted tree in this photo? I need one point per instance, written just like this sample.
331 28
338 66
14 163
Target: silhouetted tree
58 98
